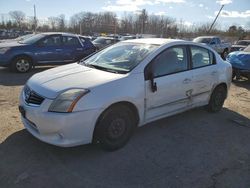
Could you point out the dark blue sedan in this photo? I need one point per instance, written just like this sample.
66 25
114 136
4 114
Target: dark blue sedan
240 61
44 49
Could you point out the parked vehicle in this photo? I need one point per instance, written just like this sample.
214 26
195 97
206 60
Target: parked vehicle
21 38
240 61
240 45
222 48
127 37
131 83
102 42
44 49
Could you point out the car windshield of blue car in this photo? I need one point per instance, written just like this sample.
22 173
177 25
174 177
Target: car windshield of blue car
247 49
32 39
120 58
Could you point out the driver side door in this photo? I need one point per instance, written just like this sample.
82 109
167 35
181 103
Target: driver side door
49 50
171 75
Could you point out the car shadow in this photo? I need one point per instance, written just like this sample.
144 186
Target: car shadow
8 78
243 82
184 150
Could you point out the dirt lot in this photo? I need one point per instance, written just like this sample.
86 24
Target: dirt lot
192 149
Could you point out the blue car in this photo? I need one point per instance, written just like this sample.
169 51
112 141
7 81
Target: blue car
44 49
240 61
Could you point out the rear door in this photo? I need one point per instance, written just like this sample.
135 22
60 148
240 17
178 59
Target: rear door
72 49
172 81
204 71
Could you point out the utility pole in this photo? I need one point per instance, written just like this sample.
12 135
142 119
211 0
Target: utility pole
35 21
215 19
80 26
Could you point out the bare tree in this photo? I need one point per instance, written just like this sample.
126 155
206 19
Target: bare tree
143 17
18 17
53 22
61 22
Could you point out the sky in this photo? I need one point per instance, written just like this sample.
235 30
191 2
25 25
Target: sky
190 12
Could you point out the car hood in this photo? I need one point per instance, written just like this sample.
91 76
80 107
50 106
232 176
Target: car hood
8 44
239 59
54 81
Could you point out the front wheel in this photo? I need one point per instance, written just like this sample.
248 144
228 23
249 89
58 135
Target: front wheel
115 127
21 64
217 99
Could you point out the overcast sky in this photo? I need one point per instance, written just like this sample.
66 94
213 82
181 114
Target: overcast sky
191 12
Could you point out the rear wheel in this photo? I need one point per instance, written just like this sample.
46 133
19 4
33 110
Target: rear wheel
115 127
21 64
217 99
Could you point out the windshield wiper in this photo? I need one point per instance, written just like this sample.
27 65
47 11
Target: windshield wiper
104 68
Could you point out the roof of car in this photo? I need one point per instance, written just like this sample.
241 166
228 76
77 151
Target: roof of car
62 33
207 37
156 41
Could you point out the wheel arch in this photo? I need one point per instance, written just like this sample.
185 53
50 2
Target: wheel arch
130 105
222 84
23 55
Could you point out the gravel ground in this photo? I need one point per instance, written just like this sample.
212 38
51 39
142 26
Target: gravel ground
192 149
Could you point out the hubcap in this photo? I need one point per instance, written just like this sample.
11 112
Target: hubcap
116 128
22 65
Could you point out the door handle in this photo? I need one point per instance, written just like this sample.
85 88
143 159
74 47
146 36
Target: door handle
213 73
186 81
80 49
58 50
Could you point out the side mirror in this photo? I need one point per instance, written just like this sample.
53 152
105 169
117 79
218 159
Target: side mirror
152 83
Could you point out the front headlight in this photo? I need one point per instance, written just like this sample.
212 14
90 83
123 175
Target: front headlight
3 50
66 101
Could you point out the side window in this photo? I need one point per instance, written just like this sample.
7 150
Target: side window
70 41
213 41
201 57
51 41
170 61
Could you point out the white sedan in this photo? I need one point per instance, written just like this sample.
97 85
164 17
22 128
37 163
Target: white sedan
106 96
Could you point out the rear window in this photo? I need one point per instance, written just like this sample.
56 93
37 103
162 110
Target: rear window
201 57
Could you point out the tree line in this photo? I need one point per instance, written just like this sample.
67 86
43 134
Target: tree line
88 23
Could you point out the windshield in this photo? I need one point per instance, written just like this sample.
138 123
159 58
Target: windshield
32 39
24 37
202 40
247 49
244 43
120 58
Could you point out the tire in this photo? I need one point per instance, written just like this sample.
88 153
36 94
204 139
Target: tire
233 76
115 127
21 64
217 99
224 54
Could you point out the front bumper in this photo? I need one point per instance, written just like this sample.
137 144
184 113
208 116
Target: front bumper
60 129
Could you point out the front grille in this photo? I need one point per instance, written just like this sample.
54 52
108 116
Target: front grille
32 97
